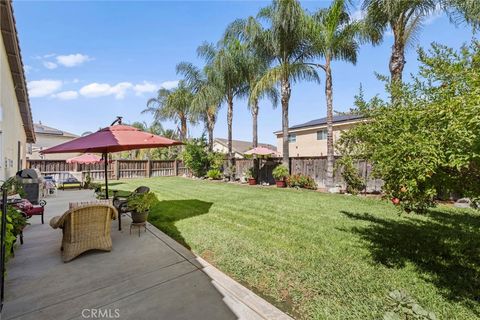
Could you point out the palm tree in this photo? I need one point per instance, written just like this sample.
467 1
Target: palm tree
334 37
227 62
284 44
405 19
207 95
173 105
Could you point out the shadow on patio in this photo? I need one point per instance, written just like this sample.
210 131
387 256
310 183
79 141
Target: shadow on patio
446 247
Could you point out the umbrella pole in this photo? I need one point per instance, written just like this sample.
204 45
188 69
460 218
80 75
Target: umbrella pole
106 174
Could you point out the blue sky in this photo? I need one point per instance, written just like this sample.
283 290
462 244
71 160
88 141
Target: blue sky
88 62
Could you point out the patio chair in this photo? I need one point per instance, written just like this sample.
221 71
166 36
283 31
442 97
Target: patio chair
85 228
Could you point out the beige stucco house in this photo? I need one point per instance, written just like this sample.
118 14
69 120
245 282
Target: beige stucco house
47 137
16 124
310 139
239 147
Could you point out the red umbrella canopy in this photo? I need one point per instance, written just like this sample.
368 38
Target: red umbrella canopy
113 139
262 151
86 158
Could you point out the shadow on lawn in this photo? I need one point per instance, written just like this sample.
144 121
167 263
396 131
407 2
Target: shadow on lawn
166 213
446 247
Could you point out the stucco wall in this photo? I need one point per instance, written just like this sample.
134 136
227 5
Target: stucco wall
45 141
11 125
218 147
307 145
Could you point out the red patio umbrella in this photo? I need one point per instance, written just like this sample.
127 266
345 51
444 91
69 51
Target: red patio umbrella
86 158
115 138
262 151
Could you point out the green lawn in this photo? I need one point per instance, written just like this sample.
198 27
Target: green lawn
322 256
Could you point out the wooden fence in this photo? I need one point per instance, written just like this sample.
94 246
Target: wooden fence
117 169
315 167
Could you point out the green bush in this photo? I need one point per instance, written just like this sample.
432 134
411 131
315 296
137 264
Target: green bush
280 172
216 160
350 175
301 181
250 173
17 219
424 142
196 157
214 174
10 234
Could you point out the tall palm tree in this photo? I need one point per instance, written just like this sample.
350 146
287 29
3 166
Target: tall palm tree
334 36
405 19
207 95
227 62
284 43
173 105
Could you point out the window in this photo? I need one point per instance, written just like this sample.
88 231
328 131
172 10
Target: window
322 134
292 138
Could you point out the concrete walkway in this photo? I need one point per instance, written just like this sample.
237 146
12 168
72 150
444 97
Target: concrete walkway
146 277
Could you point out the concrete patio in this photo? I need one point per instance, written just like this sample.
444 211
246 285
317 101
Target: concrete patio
146 277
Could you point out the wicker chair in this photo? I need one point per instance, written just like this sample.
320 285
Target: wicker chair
85 228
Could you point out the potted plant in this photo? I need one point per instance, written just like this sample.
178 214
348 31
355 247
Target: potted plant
279 174
140 204
250 175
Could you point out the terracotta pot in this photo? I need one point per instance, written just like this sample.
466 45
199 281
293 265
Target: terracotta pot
139 217
252 181
280 183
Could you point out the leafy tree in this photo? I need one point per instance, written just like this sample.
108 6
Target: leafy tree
405 19
208 94
335 36
226 61
173 105
428 142
284 43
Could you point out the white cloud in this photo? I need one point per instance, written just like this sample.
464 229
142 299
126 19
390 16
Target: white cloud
27 68
66 95
49 65
72 60
145 87
42 88
95 89
169 84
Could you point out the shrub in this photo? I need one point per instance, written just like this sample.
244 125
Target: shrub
195 157
301 181
350 174
10 235
250 173
425 140
17 219
280 172
216 160
214 174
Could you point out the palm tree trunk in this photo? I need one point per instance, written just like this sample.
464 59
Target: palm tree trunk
231 160
285 91
256 166
255 123
210 126
183 128
329 96
397 59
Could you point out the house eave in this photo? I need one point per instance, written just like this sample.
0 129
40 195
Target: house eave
14 57
320 126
